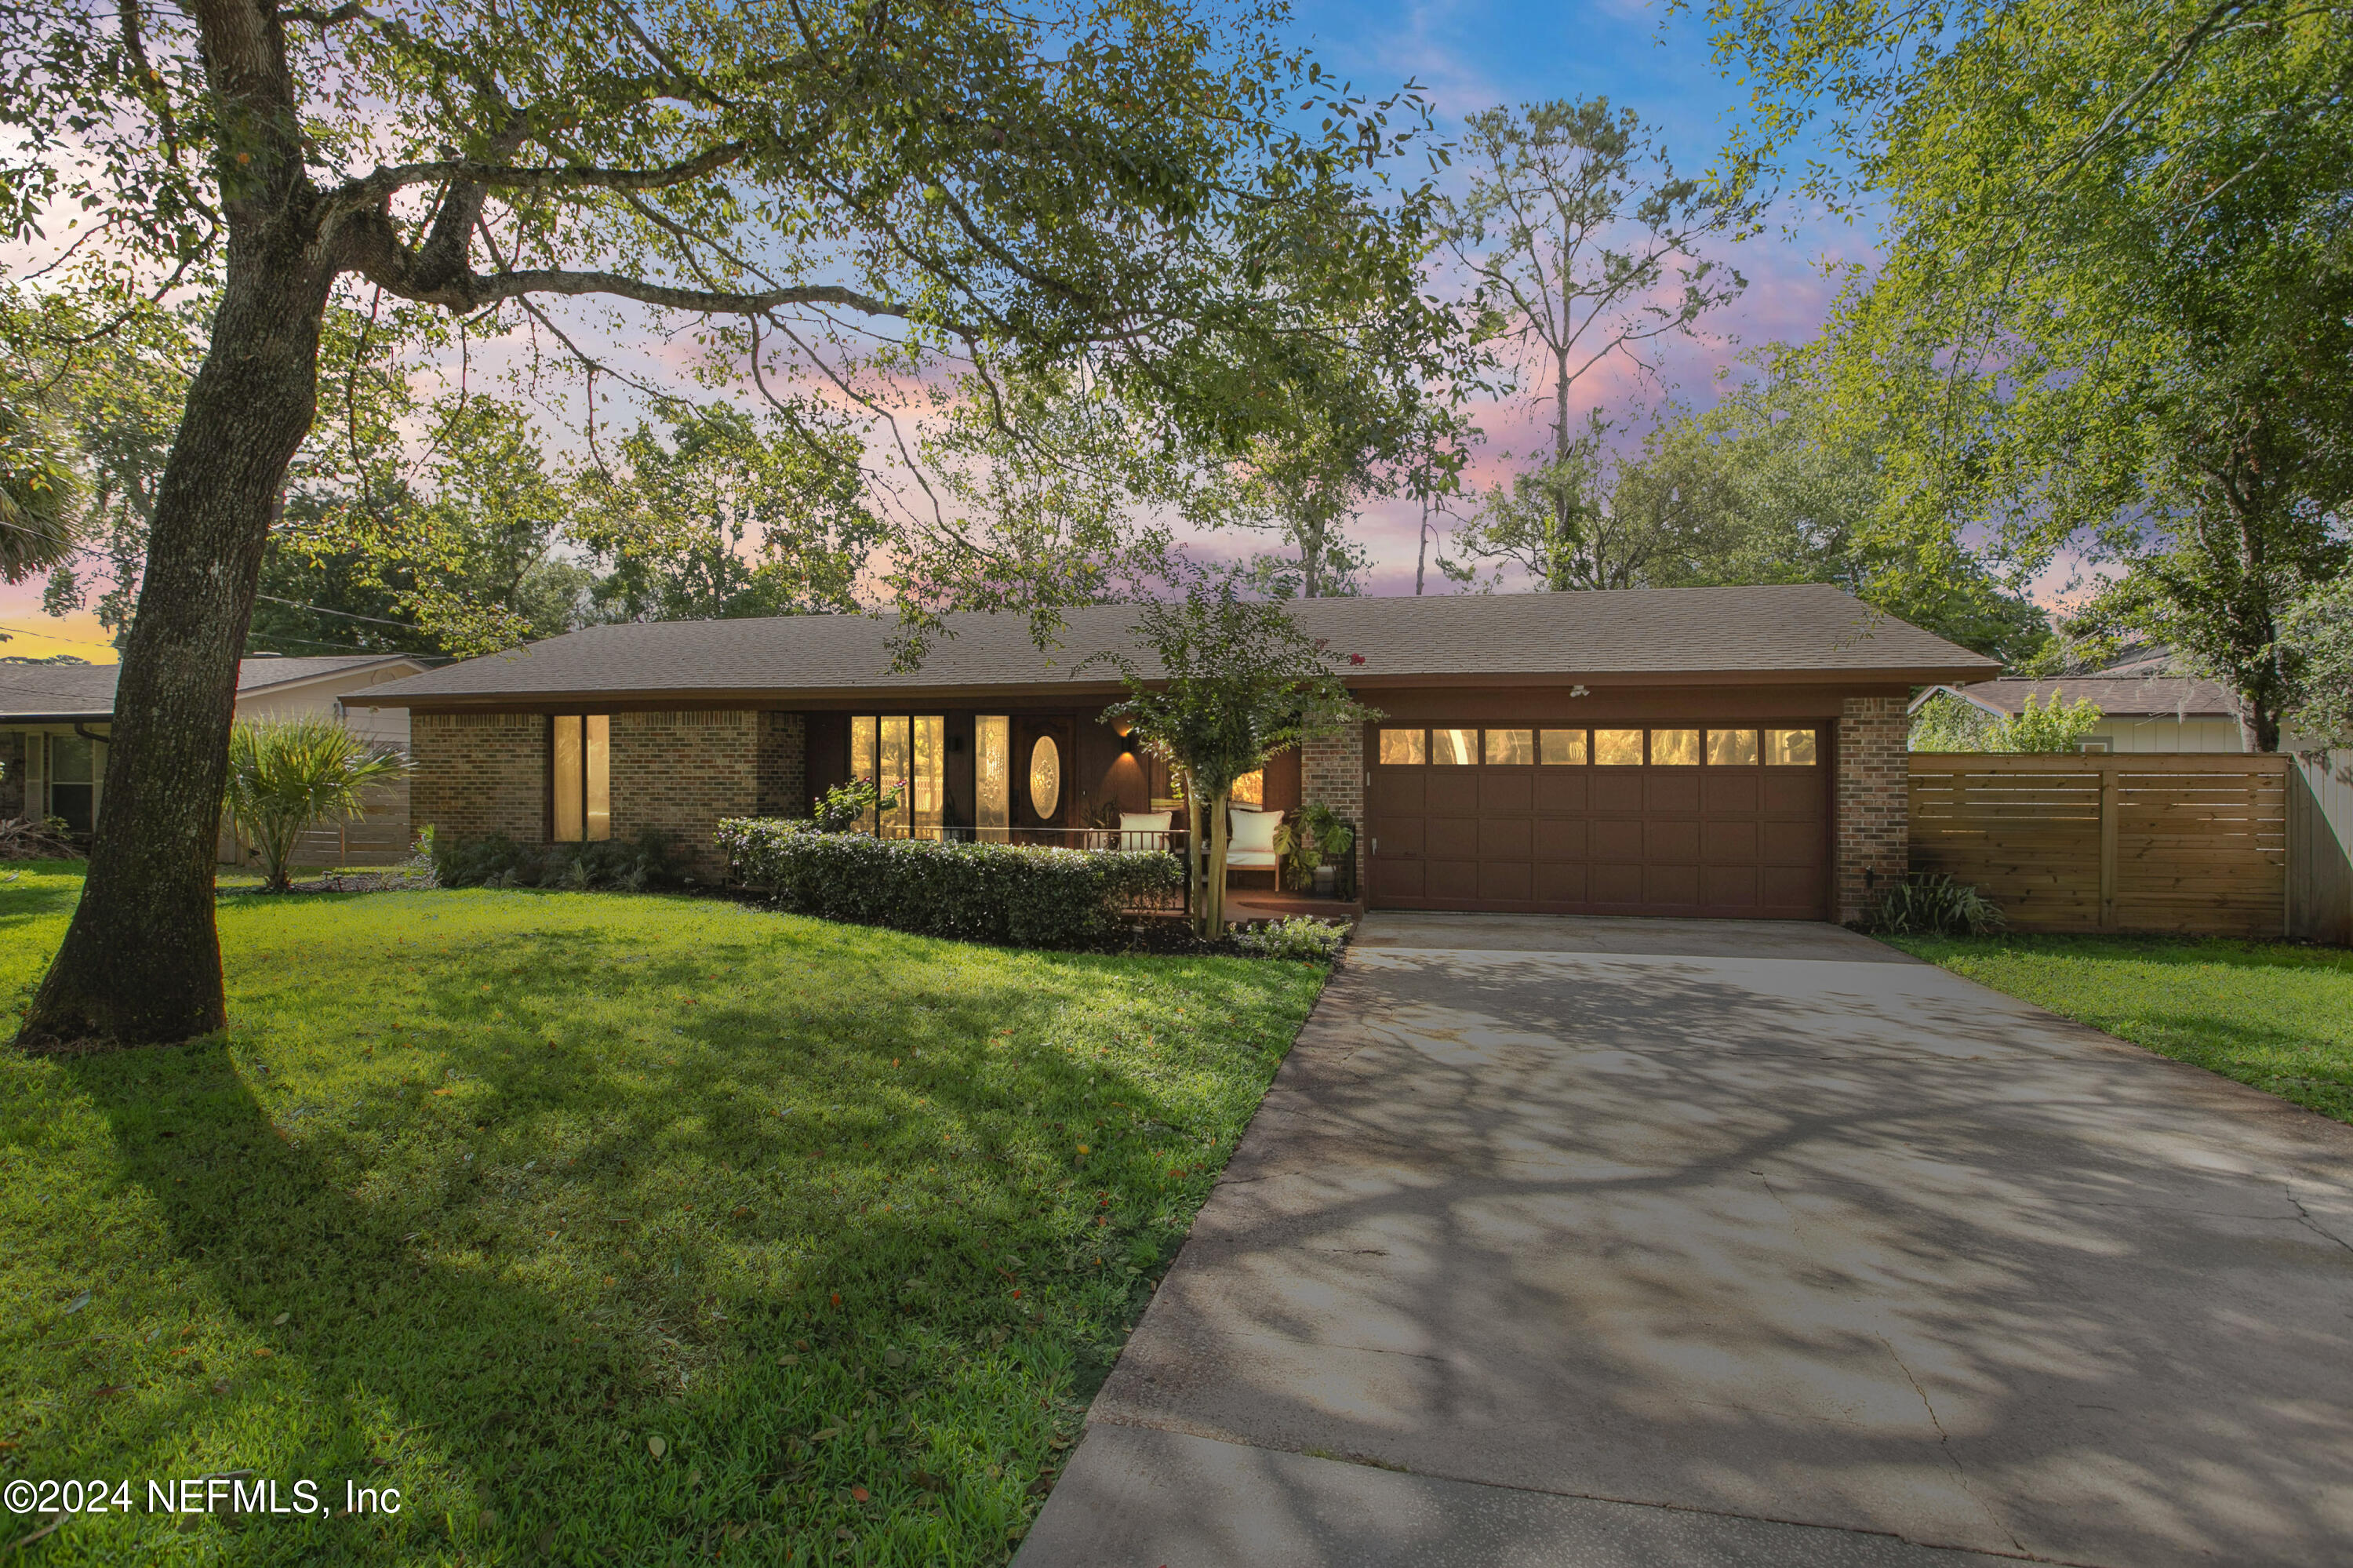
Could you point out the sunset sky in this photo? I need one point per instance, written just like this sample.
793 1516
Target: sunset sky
1468 55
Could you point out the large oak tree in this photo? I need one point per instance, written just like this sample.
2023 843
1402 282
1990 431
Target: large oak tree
1153 187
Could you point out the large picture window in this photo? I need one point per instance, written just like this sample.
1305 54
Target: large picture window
583 786
905 755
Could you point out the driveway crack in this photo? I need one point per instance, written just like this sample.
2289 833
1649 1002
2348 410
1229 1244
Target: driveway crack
2305 1215
1944 1438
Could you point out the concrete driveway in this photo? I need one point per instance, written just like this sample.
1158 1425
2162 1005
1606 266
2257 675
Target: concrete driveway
1657 1242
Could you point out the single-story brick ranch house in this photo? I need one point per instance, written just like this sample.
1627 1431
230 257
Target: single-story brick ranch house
1736 751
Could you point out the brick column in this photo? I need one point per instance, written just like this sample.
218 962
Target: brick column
479 774
1874 842
784 765
1331 772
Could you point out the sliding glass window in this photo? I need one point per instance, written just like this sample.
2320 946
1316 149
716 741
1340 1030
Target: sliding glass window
582 787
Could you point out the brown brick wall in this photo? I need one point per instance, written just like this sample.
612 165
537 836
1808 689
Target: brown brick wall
479 774
783 765
679 773
1873 835
1331 772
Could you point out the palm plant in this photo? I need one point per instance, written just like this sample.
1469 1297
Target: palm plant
287 775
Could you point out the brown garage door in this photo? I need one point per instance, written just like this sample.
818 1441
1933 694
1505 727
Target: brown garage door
1654 820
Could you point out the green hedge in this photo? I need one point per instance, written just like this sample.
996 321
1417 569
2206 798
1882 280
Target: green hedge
987 892
498 861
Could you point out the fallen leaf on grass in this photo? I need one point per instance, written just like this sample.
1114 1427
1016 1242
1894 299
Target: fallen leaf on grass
788 1360
263 1350
928 1481
895 1358
657 1447
76 1303
859 1494
827 1436
279 1321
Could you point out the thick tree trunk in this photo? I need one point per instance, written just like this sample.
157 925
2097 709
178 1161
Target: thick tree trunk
141 963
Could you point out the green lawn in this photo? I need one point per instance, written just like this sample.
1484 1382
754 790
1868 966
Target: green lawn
605 1228
2276 1016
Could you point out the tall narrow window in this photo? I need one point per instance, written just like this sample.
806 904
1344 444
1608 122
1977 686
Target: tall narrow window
929 772
73 781
583 783
896 774
862 758
991 766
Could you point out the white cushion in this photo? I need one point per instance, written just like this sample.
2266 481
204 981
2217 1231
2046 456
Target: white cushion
1251 843
1144 829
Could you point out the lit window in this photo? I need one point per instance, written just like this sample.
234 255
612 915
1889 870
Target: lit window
1510 748
993 777
1618 747
1674 749
1561 748
582 787
1403 748
1455 748
1731 748
1789 747
904 756
1249 789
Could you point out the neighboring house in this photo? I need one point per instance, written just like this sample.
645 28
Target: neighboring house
1736 751
2138 712
55 718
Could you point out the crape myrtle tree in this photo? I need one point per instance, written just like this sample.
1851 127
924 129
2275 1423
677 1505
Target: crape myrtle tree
1218 683
2121 234
1155 186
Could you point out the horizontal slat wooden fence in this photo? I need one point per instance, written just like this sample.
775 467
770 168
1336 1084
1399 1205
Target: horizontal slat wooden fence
2124 841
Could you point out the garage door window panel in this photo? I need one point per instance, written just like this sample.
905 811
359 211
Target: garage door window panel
1789 748
1561 748
1674 749
1510 748
1403 748
1618 748
1453 748
1732 748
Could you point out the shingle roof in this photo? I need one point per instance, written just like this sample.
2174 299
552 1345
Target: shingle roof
1730 633
59 691
2127 694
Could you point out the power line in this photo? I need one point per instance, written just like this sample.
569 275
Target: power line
345 614
53 636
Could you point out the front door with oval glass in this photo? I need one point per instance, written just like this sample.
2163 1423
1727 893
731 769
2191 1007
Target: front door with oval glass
1041 772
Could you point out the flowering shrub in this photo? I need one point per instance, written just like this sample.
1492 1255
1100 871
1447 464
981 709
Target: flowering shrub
1300 937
